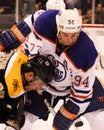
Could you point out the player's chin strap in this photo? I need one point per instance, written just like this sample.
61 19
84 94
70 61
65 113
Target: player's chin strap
55 92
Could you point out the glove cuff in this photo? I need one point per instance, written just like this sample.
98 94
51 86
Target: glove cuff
67 114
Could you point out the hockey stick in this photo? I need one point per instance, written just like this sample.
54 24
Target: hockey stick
50 107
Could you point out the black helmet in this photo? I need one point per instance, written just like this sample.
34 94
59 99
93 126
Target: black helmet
41 66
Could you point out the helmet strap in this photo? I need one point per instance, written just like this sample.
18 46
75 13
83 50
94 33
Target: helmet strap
25 83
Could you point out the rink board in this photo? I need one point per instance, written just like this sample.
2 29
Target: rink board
96 33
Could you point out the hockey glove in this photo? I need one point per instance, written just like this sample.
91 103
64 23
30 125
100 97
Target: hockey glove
13 122
65 116
15 117
13 37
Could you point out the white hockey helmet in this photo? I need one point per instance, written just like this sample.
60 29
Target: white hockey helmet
55 4
69 21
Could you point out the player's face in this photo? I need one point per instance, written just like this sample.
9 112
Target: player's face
67 39
34 84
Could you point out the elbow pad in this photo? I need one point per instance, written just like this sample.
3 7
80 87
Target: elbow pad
13 37
65 116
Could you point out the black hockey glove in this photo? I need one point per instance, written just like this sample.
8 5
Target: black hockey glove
65 116
13 122
15 117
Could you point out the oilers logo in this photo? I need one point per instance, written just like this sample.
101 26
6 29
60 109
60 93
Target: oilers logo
60 70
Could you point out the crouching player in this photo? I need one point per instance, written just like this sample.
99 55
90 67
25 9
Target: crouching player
27 74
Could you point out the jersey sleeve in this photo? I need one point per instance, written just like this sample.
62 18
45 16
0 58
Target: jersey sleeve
83 79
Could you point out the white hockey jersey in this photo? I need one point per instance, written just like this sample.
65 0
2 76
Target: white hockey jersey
75 66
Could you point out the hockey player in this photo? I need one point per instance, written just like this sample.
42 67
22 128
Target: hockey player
27 75
61 38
